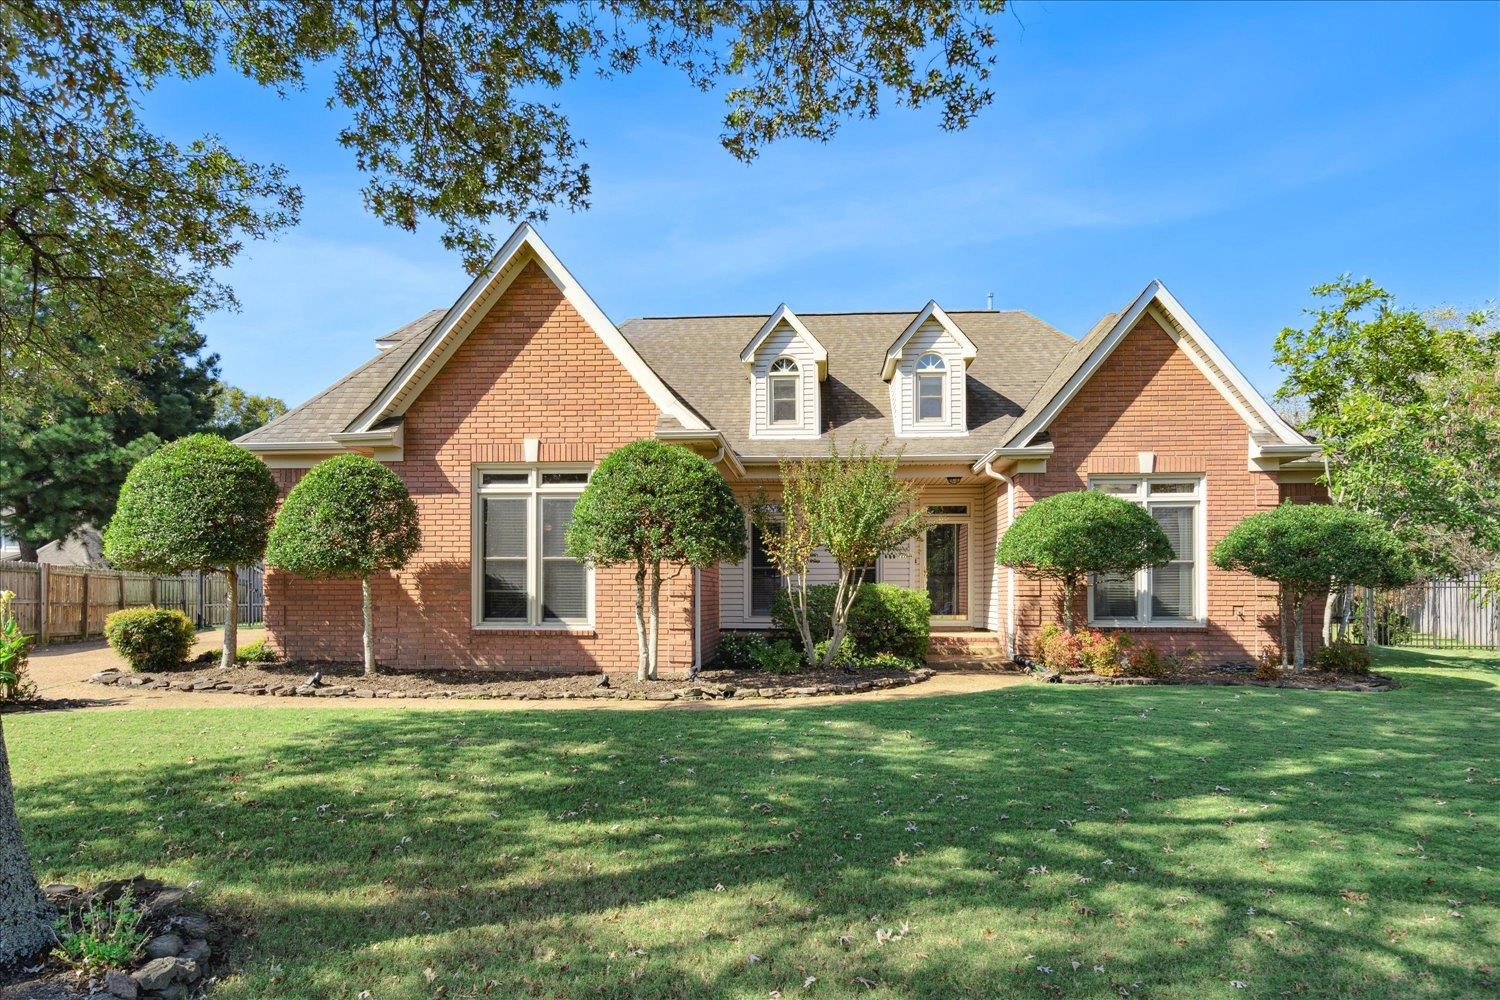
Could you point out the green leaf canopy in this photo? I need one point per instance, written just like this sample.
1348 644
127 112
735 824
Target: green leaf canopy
1309 548
1070 535
349 516
198 503
652 502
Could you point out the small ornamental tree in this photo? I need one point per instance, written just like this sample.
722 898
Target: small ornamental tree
199 503
649 505
854 508
1307 550
349 516
1070 535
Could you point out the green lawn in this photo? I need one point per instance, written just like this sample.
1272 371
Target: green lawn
1041 840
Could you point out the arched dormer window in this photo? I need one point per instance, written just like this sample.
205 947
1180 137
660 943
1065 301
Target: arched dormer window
932 386
785 388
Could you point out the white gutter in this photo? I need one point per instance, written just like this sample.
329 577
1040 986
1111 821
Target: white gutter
1010 519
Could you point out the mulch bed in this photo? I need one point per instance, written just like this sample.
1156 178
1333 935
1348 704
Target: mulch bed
1308 680
175 963
346 680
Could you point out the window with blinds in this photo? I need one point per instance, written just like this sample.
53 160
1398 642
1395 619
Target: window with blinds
1165 595
523 575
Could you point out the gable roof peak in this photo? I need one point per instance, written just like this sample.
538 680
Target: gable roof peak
524 245
783 314
931 311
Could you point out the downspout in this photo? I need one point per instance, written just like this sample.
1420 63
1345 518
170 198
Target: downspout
697 624
1010 571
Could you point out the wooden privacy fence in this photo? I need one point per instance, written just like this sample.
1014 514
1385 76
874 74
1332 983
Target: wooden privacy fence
58 603
1448 614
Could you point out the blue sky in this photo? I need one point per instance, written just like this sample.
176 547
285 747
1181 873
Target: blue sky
1239 153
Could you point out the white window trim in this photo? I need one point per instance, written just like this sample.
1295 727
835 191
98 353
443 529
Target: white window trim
534 491
750 615
941 376
748 571
795 378
1199 499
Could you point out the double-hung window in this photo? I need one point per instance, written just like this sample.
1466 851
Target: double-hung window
1172 594
786 386
932 383
522 573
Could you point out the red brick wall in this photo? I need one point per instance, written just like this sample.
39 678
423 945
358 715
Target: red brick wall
531 369
708 603
1150 397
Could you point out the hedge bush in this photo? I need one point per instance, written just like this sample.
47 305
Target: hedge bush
885 618
1108 654
151 638
1343 658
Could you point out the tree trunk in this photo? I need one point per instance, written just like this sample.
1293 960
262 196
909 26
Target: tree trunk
1069 586
798 601
1282 609
655 617
364 588
25 915
642 653
1299 602
28 550
231 619
1369 616
1328 604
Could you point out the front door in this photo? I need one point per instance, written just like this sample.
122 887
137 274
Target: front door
945 566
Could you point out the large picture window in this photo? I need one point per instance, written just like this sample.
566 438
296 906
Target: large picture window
522 573
1161 595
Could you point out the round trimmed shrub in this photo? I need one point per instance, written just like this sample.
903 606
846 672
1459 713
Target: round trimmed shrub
349 516
884 618
151 638
198 503
1070 535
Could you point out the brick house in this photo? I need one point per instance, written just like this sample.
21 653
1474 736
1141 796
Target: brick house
495 410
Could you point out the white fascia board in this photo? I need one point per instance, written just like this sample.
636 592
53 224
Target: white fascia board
461 317
784 314
1232 385
930 311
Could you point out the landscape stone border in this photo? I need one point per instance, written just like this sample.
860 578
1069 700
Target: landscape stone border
687 690
173 964
1367 683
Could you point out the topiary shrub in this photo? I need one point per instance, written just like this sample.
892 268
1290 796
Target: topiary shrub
1070 535
151 638
349 516
884 618
198 503
1343 658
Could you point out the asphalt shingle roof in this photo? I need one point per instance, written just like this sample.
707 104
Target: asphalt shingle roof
698 357
1019 358
330 411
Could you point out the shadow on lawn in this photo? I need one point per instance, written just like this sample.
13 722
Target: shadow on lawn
522 849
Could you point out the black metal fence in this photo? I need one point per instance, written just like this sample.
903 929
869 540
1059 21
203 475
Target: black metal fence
1440 614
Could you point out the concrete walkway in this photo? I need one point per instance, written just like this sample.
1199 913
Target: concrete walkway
61 674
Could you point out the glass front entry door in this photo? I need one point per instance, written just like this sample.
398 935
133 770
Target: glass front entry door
946 550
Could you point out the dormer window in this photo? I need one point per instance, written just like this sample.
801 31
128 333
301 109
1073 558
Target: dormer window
932 383
785 384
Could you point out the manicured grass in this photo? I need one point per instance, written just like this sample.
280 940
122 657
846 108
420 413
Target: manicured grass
1061 841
